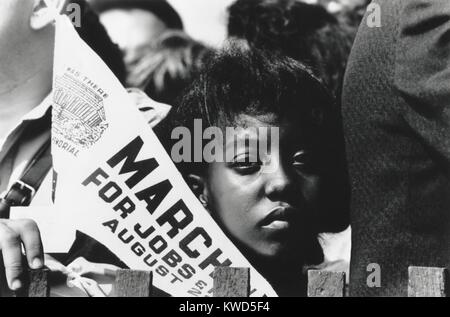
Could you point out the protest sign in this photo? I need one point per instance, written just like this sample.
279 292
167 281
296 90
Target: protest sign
117 184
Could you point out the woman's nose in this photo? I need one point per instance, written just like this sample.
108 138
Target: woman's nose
279 184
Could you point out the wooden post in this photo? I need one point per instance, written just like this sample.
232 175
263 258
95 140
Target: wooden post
37 284
131 283
326 284
231 282
427 282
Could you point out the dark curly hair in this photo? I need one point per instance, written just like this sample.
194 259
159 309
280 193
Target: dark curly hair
307 33
238 80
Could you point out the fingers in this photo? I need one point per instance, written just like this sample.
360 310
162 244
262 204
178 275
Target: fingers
12 235
31 239
83 267
12 256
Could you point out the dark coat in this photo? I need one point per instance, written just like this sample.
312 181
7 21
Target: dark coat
396 108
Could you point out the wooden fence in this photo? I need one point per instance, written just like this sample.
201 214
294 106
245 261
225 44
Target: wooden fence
235 282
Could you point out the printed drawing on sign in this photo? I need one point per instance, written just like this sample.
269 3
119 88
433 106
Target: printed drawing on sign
78 111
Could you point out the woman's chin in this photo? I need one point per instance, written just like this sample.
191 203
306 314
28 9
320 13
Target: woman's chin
280 252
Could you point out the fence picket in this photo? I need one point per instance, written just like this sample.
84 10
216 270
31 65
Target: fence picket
427 282
231 282
326 284
131 283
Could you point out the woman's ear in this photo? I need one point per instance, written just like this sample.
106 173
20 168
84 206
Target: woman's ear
44 12
199 188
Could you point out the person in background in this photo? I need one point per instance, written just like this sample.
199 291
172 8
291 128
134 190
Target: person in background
136 24
305 32
169 66
350 12
396 110
94 34
27 40
271 205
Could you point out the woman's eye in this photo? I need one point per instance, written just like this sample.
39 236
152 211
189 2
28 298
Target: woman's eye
302 161
246 165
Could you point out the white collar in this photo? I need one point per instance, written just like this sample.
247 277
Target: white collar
39 111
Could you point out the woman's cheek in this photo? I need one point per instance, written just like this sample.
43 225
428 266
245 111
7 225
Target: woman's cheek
235 198
238 194
310 186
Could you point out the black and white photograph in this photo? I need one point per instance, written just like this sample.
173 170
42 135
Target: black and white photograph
251 149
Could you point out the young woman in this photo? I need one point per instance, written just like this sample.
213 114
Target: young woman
271 204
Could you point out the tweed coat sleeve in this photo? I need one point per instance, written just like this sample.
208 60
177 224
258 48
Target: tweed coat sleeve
422 74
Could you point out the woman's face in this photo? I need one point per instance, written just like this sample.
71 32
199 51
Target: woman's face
266 207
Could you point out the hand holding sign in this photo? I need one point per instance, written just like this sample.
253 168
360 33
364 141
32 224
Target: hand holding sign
14 233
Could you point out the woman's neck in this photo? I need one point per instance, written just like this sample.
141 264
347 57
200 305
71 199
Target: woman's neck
286 277
286 272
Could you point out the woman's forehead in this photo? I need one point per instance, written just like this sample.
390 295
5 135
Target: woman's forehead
246 121
289 123
262 127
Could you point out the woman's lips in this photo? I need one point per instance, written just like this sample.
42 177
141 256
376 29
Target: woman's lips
279 218
278 225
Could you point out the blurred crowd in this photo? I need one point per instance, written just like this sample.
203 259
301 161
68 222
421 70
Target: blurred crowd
159 57
282 64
